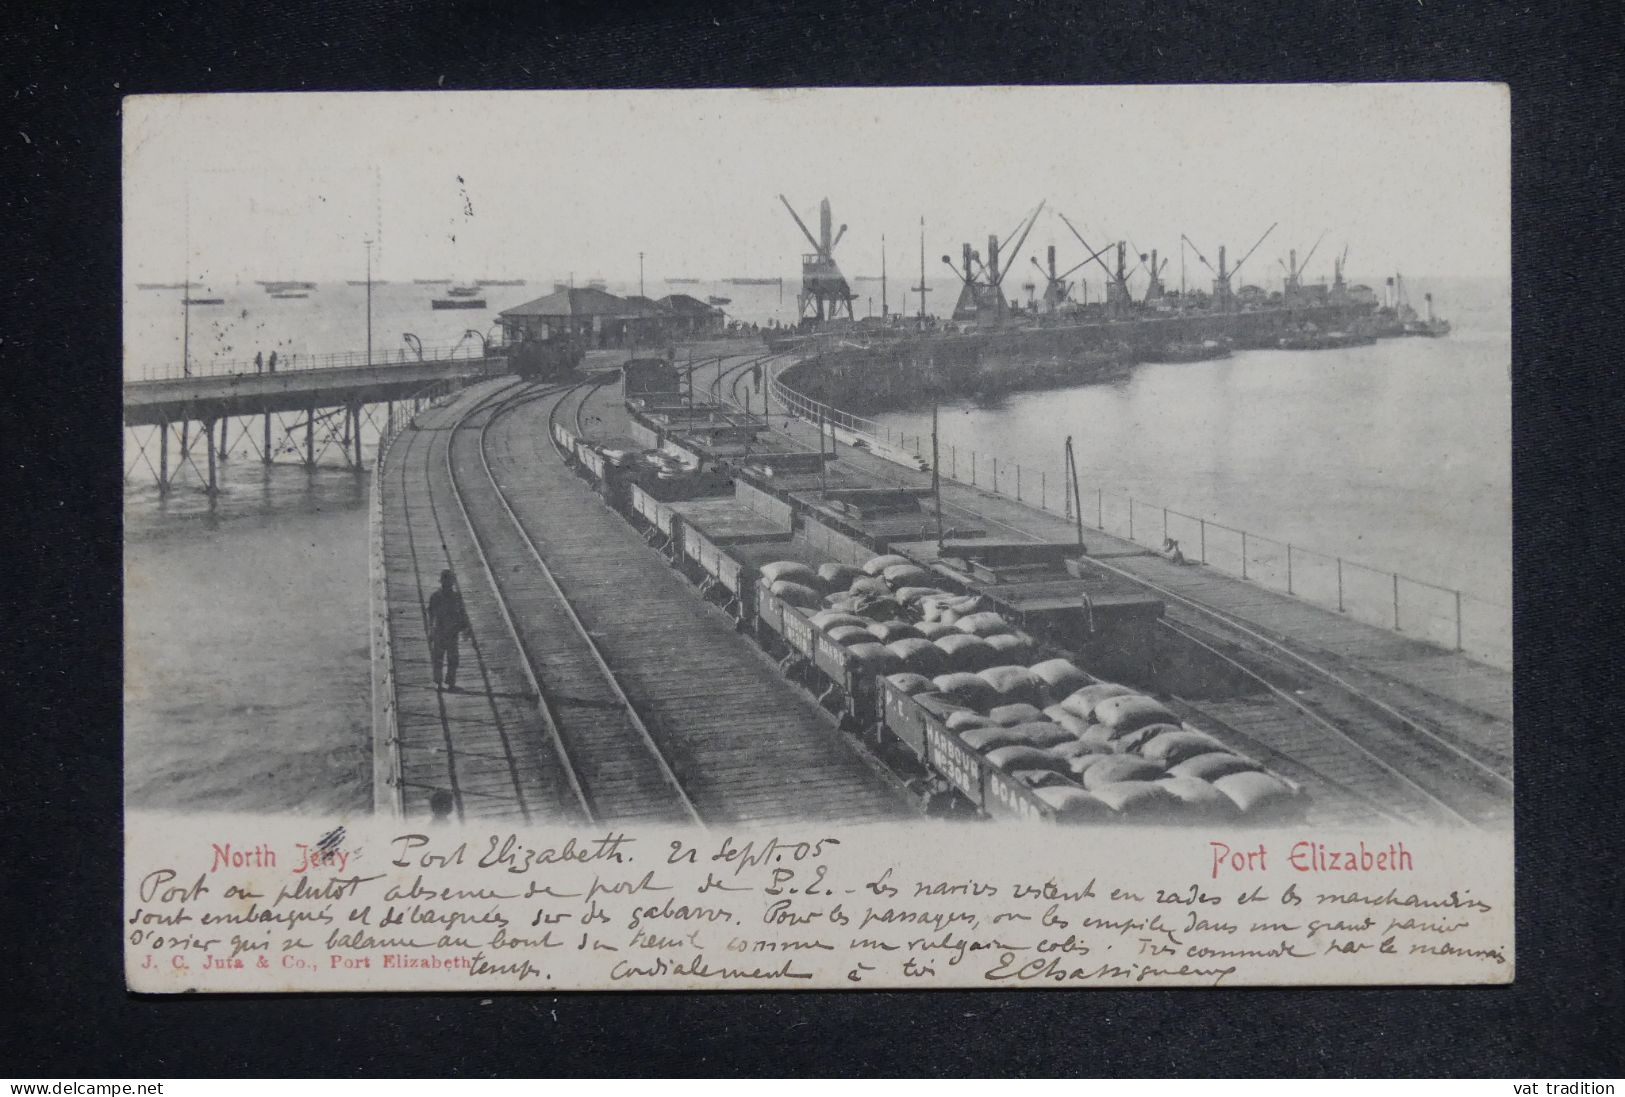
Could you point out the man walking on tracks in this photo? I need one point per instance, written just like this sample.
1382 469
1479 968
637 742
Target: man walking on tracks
447 621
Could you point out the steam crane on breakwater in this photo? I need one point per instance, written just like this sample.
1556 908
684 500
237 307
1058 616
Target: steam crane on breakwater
1154 269
1293 290
824 289
982 299
1118 299
1222 277
1057 290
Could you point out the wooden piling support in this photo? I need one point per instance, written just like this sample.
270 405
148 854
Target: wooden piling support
208 445
265 455
310 437
225 422
163 458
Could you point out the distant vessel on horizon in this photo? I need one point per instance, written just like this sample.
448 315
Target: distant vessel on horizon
683 281
160 285
431 281
457 303
500 282
284 287
751 281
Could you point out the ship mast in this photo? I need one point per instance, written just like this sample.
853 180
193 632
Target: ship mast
884 311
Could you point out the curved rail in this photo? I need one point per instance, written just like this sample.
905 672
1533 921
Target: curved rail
548 709
451 748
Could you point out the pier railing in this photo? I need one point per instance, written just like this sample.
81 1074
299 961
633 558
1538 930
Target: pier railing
1432 612
386 778
290 363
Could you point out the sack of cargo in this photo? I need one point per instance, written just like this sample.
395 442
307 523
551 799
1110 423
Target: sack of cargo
905 575
1018 713
1128 713
876 565
831 618
911 684
1019 757
969 721
1146 800
940 705
878 609
1258 795
920 656
965 689
792 571
966 653
913 596
992 737
1038 733
1074 726
1060 677
850 634
984 624
1210 767
935 630
887 631
875 658
1202 802
1175 745
868 584
802 597
1081 703
1013 647
1072 805
1014 684
1134 742
837 576
1079 764
1097 737
843 603
1042 778
986 736
1071 748
1122 767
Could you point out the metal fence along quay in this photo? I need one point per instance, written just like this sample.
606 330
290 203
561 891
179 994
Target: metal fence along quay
1447 617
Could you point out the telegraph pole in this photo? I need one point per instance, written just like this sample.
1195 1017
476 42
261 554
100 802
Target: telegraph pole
640 274
884 311
368 242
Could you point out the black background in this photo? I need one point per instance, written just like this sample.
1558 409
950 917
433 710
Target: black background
63 76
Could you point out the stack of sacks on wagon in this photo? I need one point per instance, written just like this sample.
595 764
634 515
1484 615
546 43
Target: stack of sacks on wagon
1091 750
1096 751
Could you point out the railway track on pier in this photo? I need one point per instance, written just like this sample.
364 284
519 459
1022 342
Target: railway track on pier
478 745
1374 746
656 710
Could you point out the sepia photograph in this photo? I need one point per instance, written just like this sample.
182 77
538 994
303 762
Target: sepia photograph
1051 476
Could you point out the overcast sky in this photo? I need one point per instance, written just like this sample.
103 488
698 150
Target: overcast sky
542 184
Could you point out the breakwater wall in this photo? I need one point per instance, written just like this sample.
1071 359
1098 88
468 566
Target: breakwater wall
892 372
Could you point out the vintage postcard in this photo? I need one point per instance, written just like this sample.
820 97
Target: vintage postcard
951 537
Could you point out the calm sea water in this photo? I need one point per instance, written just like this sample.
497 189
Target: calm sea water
1396 454
247 676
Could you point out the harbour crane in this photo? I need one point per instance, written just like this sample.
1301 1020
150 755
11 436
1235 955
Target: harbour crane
1339 284
1294 272
1153 269
824 289
1057 290
981 297
1223 276
1118 298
